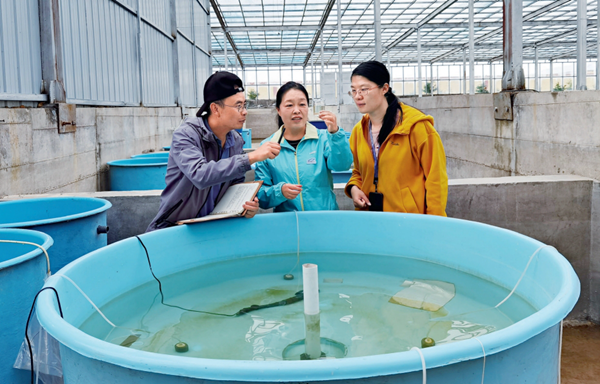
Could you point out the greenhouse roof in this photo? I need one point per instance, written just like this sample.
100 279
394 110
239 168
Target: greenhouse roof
289 32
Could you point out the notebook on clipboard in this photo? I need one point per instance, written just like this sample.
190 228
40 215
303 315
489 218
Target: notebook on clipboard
231 204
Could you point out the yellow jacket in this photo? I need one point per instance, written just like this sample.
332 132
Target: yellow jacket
412 165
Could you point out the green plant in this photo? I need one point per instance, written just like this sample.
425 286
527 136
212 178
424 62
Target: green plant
567 86
481 88
429 88
252 95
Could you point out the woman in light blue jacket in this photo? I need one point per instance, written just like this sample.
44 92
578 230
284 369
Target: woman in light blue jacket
300 179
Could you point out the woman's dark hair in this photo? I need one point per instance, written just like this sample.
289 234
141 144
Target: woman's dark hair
283 90
377 72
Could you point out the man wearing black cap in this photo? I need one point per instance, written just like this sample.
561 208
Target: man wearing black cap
207 156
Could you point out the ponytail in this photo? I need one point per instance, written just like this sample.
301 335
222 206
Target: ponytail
389 120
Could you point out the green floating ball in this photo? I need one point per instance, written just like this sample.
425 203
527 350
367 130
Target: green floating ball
288 276
181 347
427 342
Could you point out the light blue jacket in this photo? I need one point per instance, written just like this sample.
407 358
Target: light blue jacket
310 165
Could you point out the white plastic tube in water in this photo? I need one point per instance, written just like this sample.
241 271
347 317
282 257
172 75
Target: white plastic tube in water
312 318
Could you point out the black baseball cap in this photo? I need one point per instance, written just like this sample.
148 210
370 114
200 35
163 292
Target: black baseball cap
220 85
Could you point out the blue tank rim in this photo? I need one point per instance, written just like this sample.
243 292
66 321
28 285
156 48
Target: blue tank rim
150 155
103 206
294 371
17 234
139 162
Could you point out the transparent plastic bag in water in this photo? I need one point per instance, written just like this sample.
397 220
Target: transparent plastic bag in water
430 295
46 355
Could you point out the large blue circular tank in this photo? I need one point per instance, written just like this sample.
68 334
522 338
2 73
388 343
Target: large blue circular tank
526 351
22 272
137 174
77 224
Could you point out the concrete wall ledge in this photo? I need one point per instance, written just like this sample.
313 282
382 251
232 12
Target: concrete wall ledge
560 210
517 180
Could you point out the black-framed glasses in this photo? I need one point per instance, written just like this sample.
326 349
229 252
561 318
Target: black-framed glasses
239 107
362 91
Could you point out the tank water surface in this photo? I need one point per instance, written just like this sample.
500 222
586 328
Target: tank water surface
356 308
480 293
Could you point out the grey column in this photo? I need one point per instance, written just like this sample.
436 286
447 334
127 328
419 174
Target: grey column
256 82
581 43
403 79
598 46
139 52
377 12
431 78
471 48
419 85
312 76
304 76
390 69
514 77
536 71
51 52
322 65
173 5
268 83
322 54
225 50
464 82
339 30
551 76
491 87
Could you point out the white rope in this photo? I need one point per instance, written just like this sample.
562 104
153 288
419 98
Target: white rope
422 363
298 243
29 243
483 350
523 274
298 237
88 299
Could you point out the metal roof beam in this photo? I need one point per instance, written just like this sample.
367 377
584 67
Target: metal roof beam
221 19
590 23
351 27
573 52
428 18
322 23
527 17
424 47
545 9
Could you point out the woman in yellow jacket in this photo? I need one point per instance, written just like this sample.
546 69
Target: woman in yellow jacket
399 159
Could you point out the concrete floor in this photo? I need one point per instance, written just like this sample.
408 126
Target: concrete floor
581 355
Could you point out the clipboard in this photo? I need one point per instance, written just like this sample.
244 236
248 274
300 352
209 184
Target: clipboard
231 204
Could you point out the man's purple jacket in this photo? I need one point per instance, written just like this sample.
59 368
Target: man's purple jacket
193 169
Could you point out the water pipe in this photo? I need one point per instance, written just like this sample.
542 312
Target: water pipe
312 317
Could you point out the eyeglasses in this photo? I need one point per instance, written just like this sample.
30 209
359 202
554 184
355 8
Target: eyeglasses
362 91
239 107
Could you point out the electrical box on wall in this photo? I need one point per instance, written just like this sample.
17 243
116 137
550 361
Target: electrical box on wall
67 117
503 106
